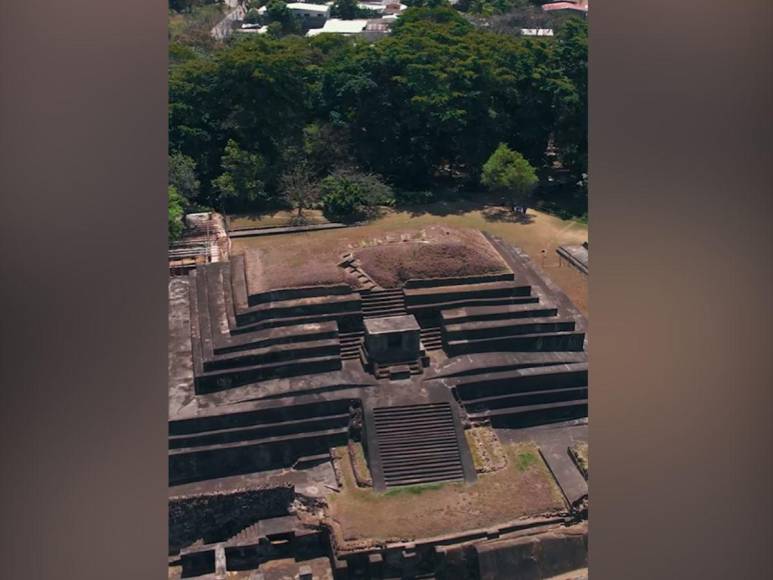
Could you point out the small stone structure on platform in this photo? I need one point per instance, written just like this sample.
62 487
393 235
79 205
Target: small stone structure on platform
577 256
264 385
392 338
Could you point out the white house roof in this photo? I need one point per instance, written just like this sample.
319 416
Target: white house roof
321 8
338 26
371 6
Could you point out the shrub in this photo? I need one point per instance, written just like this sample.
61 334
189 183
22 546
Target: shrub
414 197
351 195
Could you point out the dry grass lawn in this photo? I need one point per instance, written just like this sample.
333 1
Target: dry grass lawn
524 488
276 219
285 254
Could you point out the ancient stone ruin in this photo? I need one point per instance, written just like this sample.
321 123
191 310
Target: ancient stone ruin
275 395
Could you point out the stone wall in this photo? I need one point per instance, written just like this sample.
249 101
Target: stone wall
217 517
458 280
186 466
535 557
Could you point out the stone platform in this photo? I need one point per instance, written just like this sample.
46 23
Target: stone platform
263 385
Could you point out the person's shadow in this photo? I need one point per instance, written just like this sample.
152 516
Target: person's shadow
501 214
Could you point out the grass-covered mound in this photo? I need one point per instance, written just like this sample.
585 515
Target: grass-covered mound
443 253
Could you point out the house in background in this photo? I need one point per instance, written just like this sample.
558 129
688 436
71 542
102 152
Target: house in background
315 14
311 15
338 26
536 32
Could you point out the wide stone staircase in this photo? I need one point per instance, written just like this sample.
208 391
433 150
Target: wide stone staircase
418 444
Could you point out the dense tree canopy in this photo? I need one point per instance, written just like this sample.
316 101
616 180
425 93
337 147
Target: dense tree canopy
425 105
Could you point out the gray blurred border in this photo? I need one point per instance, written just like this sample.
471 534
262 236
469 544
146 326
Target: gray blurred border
83 292
680 290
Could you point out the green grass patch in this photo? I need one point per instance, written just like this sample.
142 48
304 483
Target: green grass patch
413 489
525 460
477 460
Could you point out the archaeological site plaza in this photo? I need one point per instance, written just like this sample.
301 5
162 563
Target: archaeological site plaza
410 406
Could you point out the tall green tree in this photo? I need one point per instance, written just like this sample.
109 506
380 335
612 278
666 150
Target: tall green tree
299 188
277 11
176 212
348 10
571 95
182 175
508 172
242 177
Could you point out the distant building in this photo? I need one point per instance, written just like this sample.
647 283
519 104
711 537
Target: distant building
377 28
310 12
338 26
536 32
383 6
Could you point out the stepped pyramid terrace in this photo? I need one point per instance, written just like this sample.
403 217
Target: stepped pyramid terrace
408 406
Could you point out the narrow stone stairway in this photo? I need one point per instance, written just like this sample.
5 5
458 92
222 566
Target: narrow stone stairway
350 344
432 338
382 303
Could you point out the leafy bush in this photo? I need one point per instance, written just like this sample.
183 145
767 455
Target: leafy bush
350 195
509 172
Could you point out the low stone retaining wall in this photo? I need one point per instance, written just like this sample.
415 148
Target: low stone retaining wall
217 517
275 230
458 280
299 292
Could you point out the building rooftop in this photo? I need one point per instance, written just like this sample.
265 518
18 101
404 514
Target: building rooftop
320 8
338 26
391 324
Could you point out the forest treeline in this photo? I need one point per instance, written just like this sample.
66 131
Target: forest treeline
422 108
